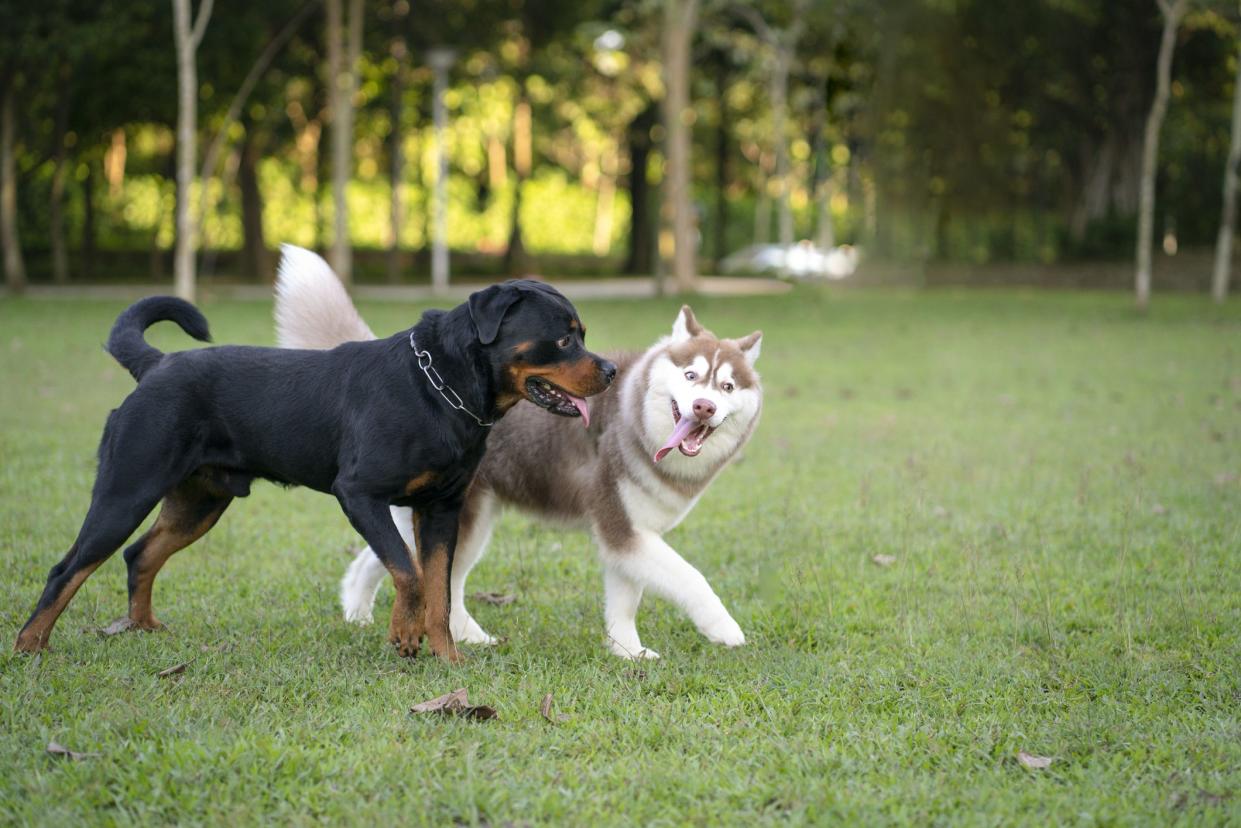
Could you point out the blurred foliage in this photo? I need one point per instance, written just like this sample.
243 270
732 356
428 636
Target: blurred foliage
942 130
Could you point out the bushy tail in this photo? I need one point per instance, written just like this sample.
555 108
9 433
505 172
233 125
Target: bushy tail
126 342
312 308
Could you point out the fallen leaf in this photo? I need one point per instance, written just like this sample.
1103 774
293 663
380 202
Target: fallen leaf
1224 478
884 560
939 512
173 671
1033 762
456 703
56 749
1159 509
117 627
498 599
545 709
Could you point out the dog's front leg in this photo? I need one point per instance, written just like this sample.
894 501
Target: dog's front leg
436 526
645 560
370 516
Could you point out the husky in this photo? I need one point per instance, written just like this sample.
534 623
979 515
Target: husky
681 412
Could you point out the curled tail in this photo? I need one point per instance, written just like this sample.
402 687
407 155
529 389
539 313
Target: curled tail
312 308
126 342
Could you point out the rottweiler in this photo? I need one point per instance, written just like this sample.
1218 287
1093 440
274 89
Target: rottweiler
402 420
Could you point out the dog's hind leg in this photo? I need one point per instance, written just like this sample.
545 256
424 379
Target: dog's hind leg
115 512
189 511
478 518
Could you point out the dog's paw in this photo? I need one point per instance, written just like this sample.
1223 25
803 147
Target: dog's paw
724 631
467 631
360 615
636 652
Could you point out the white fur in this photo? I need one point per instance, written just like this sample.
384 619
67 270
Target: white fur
312 308
313 311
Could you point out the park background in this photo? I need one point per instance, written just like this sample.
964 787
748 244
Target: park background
983 544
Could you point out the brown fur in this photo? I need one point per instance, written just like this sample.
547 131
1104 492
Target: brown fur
38 629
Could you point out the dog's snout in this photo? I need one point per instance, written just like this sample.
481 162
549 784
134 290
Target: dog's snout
608 369
704 409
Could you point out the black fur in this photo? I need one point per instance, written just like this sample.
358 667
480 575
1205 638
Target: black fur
361 422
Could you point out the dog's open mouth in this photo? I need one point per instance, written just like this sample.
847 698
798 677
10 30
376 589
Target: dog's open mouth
556 400
688 435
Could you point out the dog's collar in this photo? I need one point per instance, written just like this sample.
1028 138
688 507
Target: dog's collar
437 382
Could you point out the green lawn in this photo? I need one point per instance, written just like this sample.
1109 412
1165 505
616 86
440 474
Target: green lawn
1058 480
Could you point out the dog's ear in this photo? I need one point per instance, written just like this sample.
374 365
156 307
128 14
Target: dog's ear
751 346
487 309
686 325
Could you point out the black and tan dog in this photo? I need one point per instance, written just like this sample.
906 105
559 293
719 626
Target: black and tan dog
401 420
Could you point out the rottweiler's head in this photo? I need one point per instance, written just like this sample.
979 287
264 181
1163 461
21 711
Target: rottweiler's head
538 347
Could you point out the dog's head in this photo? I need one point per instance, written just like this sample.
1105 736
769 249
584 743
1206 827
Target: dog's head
538 346
703 396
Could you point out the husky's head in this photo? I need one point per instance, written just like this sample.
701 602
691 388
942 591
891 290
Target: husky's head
703 396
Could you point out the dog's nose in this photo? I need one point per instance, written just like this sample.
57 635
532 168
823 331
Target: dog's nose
704 409
608 369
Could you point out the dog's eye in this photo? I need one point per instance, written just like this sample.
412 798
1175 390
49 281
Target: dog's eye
691 375
563 342
728 387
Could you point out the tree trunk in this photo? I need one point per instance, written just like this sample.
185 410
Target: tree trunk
441 61
680 19
342 85
90 241
255 264
605 200
1228 215
56 206
762 211
722 145
825 232
641 239
14 266
396 154
187 37
516 262
779 116
1173 11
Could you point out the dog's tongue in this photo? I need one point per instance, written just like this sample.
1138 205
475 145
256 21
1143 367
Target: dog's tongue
582 408
684 427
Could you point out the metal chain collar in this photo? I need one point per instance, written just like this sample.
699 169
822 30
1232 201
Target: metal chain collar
437 382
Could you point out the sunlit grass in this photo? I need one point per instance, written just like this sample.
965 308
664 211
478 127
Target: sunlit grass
1056 479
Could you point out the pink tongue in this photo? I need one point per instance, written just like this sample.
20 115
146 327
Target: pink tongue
581 407
684 427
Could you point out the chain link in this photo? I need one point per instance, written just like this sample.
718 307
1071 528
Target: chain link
437 382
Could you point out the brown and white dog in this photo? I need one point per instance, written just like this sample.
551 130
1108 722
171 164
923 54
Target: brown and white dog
680 412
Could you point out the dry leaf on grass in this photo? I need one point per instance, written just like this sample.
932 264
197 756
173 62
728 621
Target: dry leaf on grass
545 709
117 627
456 703
884 560
173 671
498 599
1159 509
1033 762
56 749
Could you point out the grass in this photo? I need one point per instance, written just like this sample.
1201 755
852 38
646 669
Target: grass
1056 478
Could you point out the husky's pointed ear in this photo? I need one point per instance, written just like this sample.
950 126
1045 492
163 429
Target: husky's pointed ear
686 325
487 309
751 346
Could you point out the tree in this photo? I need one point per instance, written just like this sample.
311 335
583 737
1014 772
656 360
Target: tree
342 86
187 37
783 45
1228 214
14 265
1173 11
680 22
